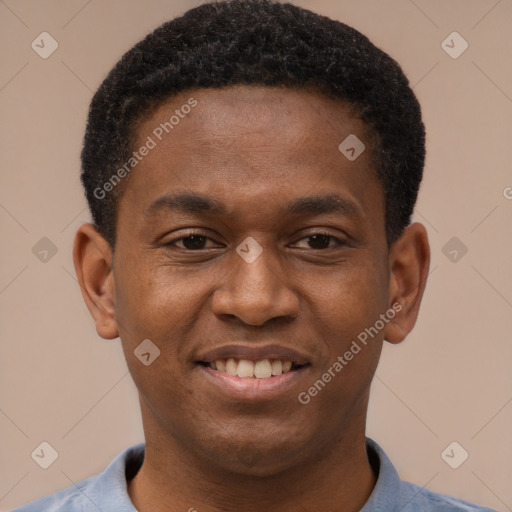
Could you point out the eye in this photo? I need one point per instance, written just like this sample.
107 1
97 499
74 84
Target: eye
192 242
319 241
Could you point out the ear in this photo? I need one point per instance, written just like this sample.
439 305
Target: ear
409 263
93 257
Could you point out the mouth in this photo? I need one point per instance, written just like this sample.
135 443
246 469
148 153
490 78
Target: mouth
252 373
253 362
247 369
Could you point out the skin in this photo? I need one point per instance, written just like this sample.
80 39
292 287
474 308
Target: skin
255 150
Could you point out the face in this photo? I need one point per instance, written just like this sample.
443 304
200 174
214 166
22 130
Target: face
245 234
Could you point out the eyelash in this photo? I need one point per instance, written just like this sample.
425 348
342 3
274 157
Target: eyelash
172 243
339 243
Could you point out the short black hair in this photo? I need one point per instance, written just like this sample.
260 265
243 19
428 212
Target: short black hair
256 42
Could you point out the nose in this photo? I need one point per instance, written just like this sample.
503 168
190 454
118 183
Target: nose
255 293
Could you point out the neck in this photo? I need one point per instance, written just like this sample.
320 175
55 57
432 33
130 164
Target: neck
171 479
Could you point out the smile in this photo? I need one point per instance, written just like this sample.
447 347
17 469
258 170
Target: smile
244 372
246 369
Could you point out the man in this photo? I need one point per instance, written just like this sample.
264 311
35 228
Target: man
251 169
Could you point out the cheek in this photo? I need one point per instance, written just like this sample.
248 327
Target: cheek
342 380
160 304
345 311
349 302
159 311
154 302
355 343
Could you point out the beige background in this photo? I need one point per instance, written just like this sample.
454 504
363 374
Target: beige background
450 381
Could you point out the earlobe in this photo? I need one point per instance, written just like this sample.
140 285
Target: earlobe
92 257
409 265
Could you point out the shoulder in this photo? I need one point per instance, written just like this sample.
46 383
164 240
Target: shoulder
71 498
105 491
414 497
392 493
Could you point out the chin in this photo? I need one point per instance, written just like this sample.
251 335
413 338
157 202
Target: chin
249 458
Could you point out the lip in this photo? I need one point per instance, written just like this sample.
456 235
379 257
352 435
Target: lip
254 390
254 353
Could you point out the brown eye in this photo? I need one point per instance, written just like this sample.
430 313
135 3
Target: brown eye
319 241
193 242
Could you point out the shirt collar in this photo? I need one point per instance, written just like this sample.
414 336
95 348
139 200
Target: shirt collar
110 491
387 489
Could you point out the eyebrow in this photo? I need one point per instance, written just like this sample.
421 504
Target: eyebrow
188 203
305 206
318 205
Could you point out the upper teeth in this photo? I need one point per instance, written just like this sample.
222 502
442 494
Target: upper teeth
248 369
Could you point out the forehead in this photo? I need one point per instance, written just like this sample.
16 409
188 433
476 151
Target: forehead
252 143
254 113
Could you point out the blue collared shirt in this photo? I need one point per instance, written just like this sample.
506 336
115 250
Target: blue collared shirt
108 490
